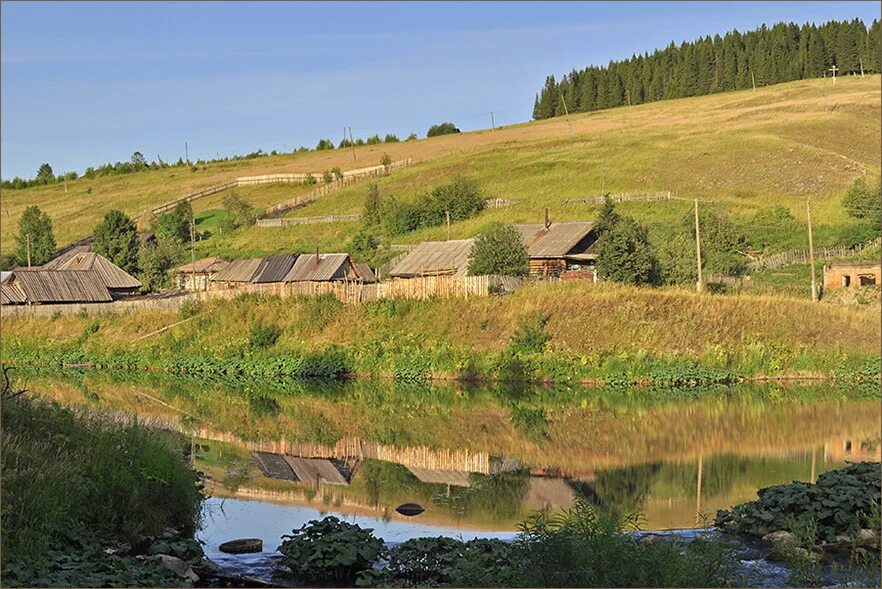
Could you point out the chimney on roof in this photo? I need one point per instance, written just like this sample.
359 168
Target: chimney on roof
547 220
317 259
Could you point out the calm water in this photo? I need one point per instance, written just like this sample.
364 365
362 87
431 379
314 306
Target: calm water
482 460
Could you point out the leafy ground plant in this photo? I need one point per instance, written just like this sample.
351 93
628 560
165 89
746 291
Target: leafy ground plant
331 550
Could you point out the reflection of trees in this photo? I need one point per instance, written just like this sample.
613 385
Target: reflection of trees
500 495
620 490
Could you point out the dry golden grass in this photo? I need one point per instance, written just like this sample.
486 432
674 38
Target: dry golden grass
777 146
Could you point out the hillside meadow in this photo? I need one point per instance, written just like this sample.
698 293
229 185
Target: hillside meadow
744 150
584 332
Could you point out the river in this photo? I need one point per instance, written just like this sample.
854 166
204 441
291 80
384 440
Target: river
479 459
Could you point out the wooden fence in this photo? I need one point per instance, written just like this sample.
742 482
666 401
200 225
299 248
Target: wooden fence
776 261
166 303
289 221
349 177
622 197
427 287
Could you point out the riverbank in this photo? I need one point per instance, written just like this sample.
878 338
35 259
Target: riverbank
92 501
572 333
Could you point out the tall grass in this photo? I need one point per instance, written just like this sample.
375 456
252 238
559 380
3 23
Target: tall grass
70 473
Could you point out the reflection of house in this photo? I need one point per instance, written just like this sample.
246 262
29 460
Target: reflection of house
455 478
851 274
549 492
555 248
196 275
435 258
305 470
853 450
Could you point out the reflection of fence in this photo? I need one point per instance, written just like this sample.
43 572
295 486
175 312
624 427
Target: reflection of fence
622 197
776 261
427 287
290 221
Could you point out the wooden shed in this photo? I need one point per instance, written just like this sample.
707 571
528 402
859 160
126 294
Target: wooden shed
237 273
197 275
435 258
274 268
555 248
852 274
40 286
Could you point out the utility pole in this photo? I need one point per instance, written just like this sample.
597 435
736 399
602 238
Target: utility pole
566 111
193 252
65 184
753 79
447 213
187 153
699 286
29 249
352 144
808 210
834 69
492 121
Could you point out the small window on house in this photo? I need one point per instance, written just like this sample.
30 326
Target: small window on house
867 279
846 281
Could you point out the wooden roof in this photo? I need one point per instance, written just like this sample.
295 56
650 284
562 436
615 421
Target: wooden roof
239 271
456 478
203 266
320 268
431 258
274 268
110 274
364 272
58 286
555 241
315 470
11 295
65 256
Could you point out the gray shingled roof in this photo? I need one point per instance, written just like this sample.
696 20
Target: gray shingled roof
274 268
320 268
239 271
203 266
364 272
435 258
554 242
110 274
58 286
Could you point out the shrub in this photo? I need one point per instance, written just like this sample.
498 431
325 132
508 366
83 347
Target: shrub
625 255
324 144
863 202
330 550
530 336
338 173
35 236
328 176
386 160
841 501
156 260
239 212
189 308
116 238
263 335
499 249
442 129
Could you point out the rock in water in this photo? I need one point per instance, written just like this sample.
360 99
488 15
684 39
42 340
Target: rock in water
242 546
409 509
178 567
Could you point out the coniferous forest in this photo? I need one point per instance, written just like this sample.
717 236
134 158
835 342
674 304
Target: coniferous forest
782 53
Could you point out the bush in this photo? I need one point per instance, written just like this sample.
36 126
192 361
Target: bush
239 212
841 501
462 198
324 144
330 550
499 249
442 129
530 336
116 238
863 202
263 336
328 176
156 260
625 255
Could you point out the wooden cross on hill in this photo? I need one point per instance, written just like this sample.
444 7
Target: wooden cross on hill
834 69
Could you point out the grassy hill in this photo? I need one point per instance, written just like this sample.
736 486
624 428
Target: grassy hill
745 150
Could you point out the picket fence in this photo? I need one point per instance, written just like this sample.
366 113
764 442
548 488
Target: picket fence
622 197
776 261
166 303
290 221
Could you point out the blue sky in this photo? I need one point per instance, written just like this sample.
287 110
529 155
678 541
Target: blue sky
87 83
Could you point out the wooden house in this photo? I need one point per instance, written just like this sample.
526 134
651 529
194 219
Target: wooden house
42 287
556 248
197 275
274 269
236 274
435 258
323 268
119 282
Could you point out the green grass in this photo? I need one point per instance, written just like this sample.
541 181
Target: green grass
743 150
76 482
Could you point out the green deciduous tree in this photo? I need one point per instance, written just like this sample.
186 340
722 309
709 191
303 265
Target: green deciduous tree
442 129
625 254
863 201
35 228
499 249
156 260
239 212
116 238
371 215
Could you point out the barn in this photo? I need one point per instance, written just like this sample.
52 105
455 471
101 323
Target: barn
435 258
324 268
43 287
119 282
556 248
197 275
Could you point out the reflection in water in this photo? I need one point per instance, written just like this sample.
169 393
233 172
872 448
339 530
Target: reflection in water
483 459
